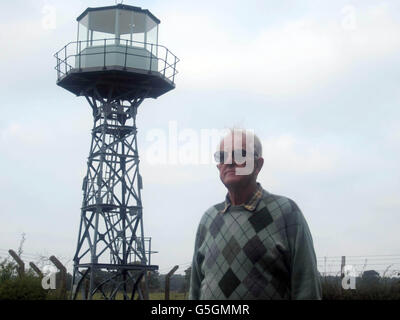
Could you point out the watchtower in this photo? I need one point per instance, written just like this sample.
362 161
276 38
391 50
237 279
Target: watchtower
115 63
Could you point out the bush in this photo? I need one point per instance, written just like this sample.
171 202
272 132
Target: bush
27 287
13 287
366 289
8 270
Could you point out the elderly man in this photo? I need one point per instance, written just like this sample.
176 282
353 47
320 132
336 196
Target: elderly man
254 245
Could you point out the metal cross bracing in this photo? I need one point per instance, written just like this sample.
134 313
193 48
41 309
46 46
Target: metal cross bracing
111 234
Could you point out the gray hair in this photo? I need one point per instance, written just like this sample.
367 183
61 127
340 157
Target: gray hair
252 135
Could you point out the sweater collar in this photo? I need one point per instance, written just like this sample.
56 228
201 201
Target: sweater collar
251 205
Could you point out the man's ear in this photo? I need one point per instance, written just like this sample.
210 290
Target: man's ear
259 164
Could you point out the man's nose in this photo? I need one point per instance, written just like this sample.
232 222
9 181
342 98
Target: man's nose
230 159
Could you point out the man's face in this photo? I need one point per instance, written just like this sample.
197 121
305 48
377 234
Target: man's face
241 171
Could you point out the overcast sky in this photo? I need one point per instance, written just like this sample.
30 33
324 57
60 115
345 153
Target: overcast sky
318 81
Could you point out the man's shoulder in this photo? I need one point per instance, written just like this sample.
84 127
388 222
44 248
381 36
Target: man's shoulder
272 197
211 212
279 205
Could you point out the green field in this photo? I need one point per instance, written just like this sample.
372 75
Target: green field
153 296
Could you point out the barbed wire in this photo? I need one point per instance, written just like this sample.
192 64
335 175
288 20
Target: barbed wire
325 264
185 264
352 259
38 258
365 256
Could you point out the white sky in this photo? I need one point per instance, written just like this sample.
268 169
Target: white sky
316 80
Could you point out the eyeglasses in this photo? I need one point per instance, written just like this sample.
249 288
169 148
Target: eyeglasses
238 156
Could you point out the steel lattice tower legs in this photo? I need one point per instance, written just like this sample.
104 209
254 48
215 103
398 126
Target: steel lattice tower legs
111 250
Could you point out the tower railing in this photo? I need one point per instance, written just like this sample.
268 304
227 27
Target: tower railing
154 58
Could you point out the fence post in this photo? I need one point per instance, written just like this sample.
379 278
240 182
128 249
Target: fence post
167 277
342 267
36 269
21 264
63 276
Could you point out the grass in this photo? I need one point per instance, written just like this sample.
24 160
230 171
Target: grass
173 295
152 296
375 289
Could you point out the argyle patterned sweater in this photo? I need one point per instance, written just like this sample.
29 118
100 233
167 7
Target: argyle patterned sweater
259 251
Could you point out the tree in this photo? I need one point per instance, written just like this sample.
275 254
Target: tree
21 244
7 270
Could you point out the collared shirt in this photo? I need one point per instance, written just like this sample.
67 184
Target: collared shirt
251 205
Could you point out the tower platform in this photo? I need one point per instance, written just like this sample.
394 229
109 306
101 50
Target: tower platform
126 80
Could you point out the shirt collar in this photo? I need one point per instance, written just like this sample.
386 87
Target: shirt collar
251 205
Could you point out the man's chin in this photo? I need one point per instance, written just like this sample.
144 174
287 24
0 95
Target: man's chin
232 181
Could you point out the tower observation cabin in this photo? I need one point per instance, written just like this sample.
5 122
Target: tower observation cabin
122 39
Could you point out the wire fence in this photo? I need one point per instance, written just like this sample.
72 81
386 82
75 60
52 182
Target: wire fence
385 265
40 259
